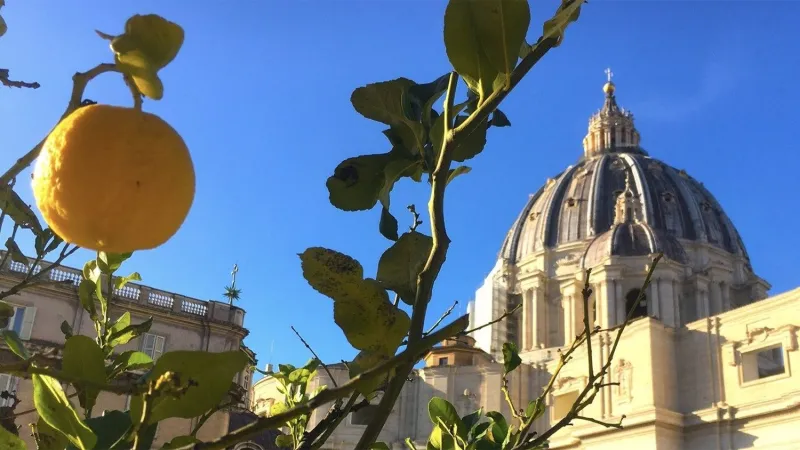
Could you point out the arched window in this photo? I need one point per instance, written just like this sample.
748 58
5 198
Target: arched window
640 309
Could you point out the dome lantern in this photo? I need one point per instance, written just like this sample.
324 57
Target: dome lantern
611 129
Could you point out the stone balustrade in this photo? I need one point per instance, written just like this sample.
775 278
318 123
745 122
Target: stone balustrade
134 293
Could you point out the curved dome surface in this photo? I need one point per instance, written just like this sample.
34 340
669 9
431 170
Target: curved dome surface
580 204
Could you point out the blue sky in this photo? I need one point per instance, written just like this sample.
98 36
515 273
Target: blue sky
260 92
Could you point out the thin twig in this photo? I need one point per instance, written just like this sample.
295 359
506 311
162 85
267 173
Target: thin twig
439 321
4 78
410 355
617 425
79 82
33 279
330 375
587 292
505 314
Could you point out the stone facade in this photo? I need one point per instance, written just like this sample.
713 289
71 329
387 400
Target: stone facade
179 323
708 362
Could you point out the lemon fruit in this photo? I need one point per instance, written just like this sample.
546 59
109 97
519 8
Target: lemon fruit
114 179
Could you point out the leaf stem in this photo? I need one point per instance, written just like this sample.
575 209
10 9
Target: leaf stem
330 375
79 82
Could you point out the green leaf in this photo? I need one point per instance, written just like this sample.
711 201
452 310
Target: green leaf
500 27
499 428
3 26
401 263
399 164
83 359
472 419
10 441
511 359
111 426
46 241
535 409
460 170
368 318
421 98
329 272
468 146
365 360
284 441
278 408
47 437
120 282
212 373
385 102
18 210
499 119
15 344
441 409
121 335
15 252
52 405
568 11
357 182
130 360
108 263
388 225
440 440
464 50
66 328
180 441
149 43
91 272
86 292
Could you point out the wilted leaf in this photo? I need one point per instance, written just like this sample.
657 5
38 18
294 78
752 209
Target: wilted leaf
329 272
368 318
18 210
14 343
384 102
15 252
388 225
211 372
149 43
568 11
511 359
83 359
52 405
401 263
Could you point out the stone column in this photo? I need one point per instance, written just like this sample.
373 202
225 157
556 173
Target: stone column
621 312
528 322
726 296
654 301
567 302
715 300
609 296
538 316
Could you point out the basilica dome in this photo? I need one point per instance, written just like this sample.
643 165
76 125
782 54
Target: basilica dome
619 201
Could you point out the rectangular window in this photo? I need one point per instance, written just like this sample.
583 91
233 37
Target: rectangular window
442 361
8 384
153 345
22 321
763 363
562 404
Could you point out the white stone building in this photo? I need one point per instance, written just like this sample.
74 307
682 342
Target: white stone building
709 362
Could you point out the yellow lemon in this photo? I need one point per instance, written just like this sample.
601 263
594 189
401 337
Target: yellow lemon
114 179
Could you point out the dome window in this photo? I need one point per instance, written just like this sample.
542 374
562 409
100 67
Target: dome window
668 197
640 308
571 202
705 206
